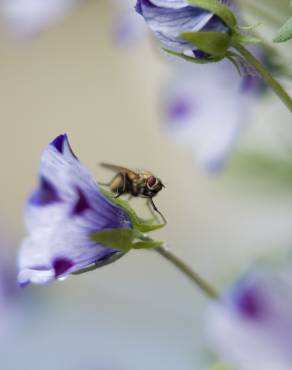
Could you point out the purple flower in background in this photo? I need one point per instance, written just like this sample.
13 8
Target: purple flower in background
206 106
251 328
128 27
25 18
61 215
169 18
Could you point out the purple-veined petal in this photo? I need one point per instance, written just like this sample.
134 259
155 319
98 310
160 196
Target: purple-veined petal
168 23
175 4
168 19
64 211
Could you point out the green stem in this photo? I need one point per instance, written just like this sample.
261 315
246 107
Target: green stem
265 74
189 272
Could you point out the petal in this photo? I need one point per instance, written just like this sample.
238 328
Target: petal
58 251
168 23
75 186
259 331
61 216
45 194
175 4
128 27
62 145
61 265
25 18
201 111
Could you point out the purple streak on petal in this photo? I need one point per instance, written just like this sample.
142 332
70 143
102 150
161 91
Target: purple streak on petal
61 265
81 205
250 303
138 7
46 194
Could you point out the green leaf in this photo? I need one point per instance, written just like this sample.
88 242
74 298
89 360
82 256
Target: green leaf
143 226
121 239
192 59
214 43
285 32
215 7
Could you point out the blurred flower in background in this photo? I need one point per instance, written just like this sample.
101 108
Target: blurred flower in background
206 107
128 28
251 328
26 18
61 215
9 290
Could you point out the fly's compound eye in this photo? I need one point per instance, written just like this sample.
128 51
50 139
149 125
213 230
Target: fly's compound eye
152 182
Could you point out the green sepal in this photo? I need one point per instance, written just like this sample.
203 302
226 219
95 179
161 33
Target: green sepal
232 57
214 43
143 226
124 239
215 7
121 239
285 32
250 27
193 59
245 39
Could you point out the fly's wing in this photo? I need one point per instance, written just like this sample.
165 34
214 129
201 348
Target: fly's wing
130 174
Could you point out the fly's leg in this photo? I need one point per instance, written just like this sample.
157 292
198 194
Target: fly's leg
151 210
152 207
120 191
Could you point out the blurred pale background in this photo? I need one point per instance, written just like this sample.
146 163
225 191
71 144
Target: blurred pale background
138 313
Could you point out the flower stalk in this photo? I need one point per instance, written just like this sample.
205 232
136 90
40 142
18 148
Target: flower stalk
208 289
265 74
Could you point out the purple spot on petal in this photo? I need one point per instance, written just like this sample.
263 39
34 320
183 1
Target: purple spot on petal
250 303
180 109
58 142
23 284
46 194
199 54
61 265
81 205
